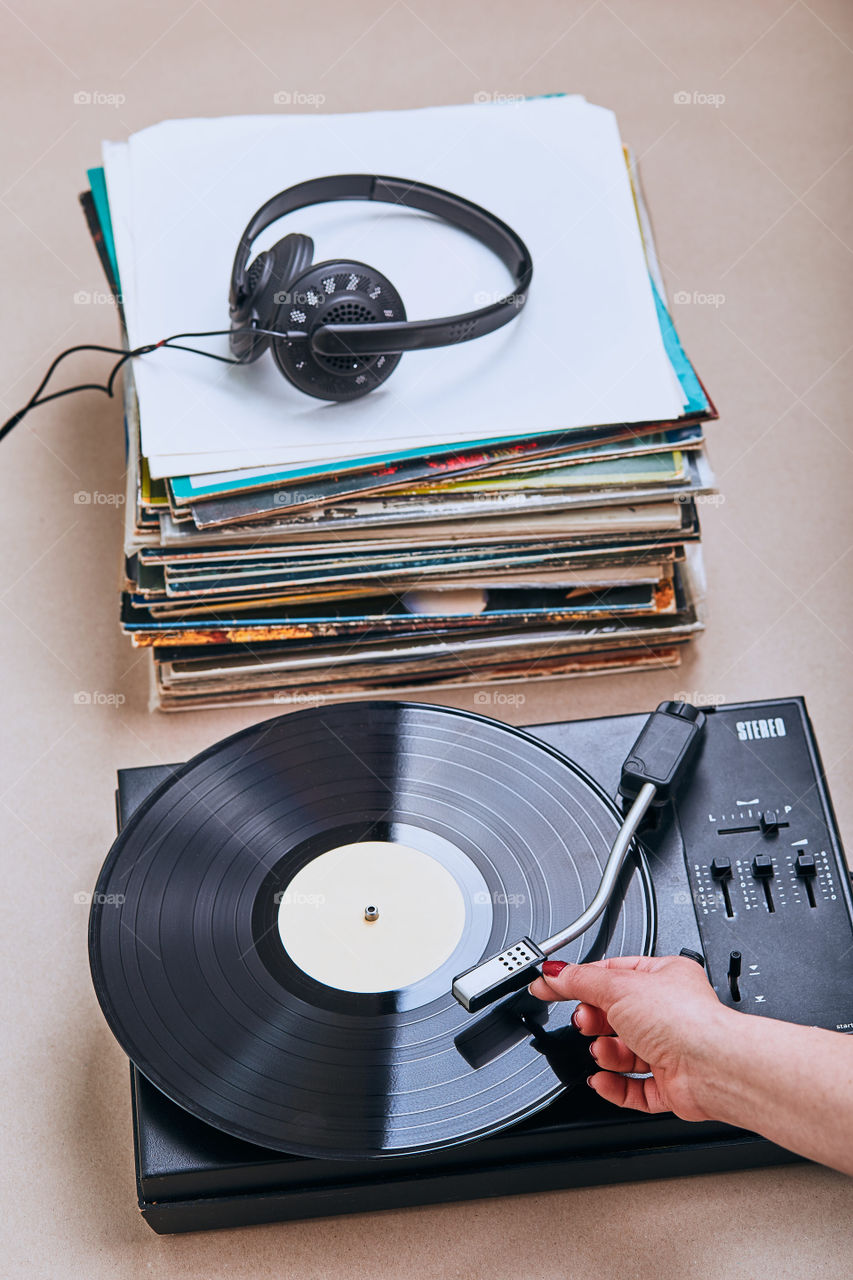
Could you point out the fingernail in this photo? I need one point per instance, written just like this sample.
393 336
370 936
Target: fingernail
575 1022
552 968
589 1080
593 1051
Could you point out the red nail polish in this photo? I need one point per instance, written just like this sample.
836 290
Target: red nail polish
551 968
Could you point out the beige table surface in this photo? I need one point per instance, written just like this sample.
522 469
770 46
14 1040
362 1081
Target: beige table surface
750 194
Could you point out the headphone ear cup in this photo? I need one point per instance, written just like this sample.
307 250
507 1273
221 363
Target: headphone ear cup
335 293
291 257
246 346
267 280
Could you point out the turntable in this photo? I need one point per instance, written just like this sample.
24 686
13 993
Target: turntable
313 942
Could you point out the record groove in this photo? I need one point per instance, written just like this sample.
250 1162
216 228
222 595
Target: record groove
194 980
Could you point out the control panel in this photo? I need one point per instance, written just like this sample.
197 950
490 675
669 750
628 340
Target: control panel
746 862
767 876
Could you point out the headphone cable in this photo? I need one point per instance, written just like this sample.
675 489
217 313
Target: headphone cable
173 343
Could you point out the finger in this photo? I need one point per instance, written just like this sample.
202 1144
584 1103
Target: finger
560 986
591 1021
636 1095
612 1054
597 984
586 1018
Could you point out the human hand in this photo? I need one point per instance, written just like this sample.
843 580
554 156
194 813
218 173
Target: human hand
655 1014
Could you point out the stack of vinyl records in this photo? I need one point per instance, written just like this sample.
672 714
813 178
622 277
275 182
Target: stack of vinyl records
522 506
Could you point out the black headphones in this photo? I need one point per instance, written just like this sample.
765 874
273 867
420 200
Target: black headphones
337 329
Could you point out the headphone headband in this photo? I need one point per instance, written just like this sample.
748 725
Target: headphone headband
397 336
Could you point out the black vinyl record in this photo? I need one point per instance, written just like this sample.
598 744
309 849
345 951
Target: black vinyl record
190 916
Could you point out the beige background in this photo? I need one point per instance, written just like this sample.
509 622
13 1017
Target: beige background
751 201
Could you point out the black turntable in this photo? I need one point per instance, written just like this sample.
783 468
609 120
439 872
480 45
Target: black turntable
291 1059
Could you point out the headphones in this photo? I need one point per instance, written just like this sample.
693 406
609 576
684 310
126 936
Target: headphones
336 329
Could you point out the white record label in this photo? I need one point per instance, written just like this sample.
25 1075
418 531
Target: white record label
371 916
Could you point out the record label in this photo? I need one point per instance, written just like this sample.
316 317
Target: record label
371 916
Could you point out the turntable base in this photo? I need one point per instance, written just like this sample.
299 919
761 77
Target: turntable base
191 1176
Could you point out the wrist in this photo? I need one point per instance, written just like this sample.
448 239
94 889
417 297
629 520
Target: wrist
714 1077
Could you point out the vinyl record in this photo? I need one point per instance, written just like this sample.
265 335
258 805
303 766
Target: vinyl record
274 933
